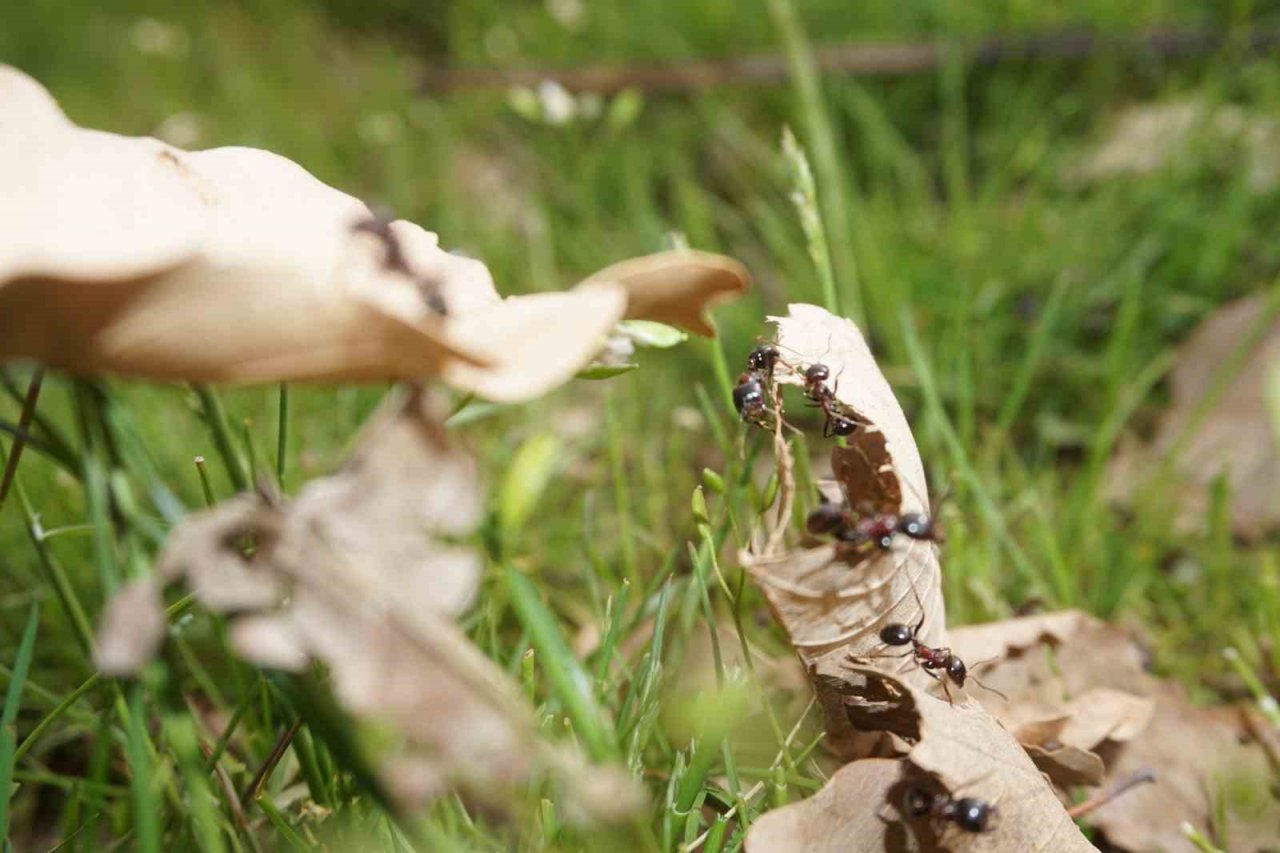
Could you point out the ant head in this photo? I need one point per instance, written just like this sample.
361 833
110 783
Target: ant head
897 634
956 670
763 357
817 373
840 425
972 814
825 519
916 525
916 802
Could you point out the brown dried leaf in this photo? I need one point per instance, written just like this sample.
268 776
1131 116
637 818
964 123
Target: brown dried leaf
676 287
957 750
832 607
357 573
1236 439
130 256
1096 682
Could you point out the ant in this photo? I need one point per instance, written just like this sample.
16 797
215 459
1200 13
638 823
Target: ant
394 259
748 397
816 389
762 359
968 813
878 529
929 658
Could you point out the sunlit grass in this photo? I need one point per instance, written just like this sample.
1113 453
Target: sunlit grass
1025 321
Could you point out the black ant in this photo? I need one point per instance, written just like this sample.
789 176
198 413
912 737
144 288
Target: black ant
932 659
878 529
968 813
816 389
394 259
762 359
749 397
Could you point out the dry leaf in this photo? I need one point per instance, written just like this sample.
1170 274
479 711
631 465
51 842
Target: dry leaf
1237 438
834 603
831 607
847 815
133 626
1093 675
127 255
1149 137
677 287
957 751
358 573
58 180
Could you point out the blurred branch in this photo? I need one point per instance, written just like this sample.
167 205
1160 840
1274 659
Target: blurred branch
870 59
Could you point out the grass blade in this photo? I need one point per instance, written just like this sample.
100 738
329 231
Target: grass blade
12 701
568 680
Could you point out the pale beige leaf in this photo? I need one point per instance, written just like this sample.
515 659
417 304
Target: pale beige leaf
83 205
676 287
848 814
132 629
531 344
360 573
132 257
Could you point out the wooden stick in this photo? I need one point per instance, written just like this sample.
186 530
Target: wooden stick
860 59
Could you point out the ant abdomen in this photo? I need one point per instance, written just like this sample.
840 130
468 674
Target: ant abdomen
897 634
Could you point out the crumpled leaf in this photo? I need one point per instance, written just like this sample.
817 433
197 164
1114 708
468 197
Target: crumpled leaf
359 572
957 750
1236 438
833 605
1094 675
832 608
127 255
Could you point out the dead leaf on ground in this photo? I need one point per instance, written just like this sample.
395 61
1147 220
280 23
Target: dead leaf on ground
1093 677
126 255
1235 439
1150 137
840 818
359 573
958 751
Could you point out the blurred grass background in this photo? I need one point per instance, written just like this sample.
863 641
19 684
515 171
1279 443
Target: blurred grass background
1025 316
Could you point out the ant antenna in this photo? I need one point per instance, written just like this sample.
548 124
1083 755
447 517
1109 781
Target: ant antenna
979 682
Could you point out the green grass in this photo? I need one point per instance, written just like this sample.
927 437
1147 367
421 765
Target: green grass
1025 321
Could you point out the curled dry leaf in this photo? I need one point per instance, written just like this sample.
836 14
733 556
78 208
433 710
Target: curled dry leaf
833 605
1093 677
1234 354
676 287
127 255
833 602
358 573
